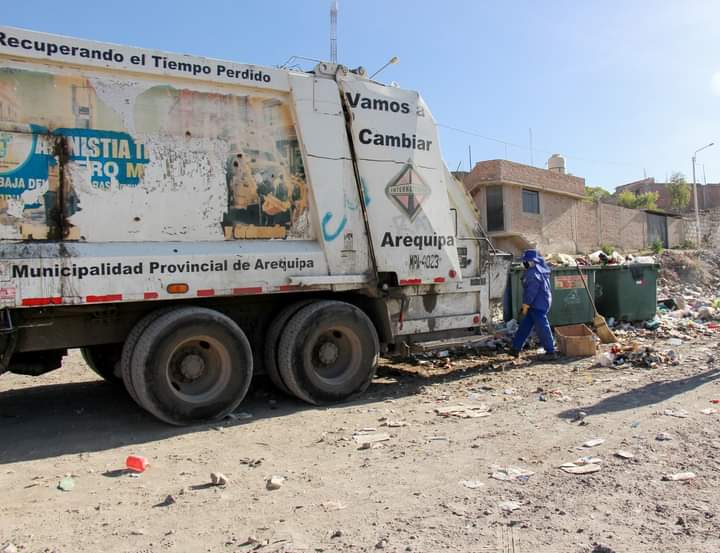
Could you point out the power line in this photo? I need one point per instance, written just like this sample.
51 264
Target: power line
534 149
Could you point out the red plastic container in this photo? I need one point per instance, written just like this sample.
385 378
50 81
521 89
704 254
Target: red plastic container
136 463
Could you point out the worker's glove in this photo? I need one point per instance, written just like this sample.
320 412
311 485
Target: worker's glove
524 309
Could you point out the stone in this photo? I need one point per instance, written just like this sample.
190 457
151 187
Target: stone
218 479
275 482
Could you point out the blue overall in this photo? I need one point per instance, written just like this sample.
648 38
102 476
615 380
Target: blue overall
537 294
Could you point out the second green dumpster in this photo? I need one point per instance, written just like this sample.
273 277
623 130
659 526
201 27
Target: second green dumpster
627 292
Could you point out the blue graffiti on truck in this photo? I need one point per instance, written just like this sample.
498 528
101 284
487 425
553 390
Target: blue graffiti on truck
329 236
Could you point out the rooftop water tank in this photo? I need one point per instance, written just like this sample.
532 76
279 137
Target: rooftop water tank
556 163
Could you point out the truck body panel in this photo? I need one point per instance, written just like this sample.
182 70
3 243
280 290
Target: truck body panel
126 171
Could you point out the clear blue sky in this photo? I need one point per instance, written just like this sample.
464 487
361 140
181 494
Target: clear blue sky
617 86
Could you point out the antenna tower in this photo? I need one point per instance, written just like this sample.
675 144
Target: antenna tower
333 31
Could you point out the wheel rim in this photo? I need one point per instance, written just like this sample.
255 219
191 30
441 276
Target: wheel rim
198 369
333 353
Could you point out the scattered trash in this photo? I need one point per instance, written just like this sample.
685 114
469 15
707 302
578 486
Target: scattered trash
218 479
679 477
605 359
601 549
275 482
579 417
252 463
464 411
137 532
382 544
710 411
169 500
635 424
715 401
680 413
9 548
136 463
594 442
394 424
663 437
472 484
336 534
675 342
509 506
67 484
368 440
511 474
330 506
584 465
238 416
623 454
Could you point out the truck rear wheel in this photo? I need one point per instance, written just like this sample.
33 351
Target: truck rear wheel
272 341
191 364
104 360
129 348
328 352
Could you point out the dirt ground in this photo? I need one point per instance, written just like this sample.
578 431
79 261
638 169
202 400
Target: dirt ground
428 488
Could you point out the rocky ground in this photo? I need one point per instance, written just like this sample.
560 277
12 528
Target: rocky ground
458 453
427 486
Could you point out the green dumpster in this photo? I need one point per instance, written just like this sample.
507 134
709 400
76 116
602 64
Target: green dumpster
570 303
627 292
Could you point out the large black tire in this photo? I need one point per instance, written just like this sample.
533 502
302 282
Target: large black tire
328 352
190 365
272 341
129 348
104 360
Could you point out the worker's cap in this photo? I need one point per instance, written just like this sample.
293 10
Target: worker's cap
530 255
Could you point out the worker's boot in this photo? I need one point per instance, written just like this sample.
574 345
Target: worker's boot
550 356
515 353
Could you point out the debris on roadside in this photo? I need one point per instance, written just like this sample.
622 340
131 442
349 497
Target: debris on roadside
368 438
679 413
583 465
663 437
510 473
252 463
464 411
509 506
472 484
67 484
136 463
169 500
274 483
592 443
624 454
679 477
218 479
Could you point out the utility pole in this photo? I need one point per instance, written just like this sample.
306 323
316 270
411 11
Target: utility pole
695 195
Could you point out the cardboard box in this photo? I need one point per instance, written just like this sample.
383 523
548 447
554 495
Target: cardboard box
576 340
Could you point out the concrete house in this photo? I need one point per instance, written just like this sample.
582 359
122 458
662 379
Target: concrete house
523 206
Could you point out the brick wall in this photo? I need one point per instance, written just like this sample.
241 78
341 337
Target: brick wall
501 170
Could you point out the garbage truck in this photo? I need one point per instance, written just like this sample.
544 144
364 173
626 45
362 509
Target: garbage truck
189 222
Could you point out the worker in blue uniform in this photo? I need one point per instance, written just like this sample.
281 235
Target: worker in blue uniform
537 299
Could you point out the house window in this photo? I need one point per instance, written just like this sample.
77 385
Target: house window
531 201
494 205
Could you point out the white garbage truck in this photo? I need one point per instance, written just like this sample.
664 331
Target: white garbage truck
189 222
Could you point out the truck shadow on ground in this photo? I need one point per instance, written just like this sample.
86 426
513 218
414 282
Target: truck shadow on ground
51 420
649 394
